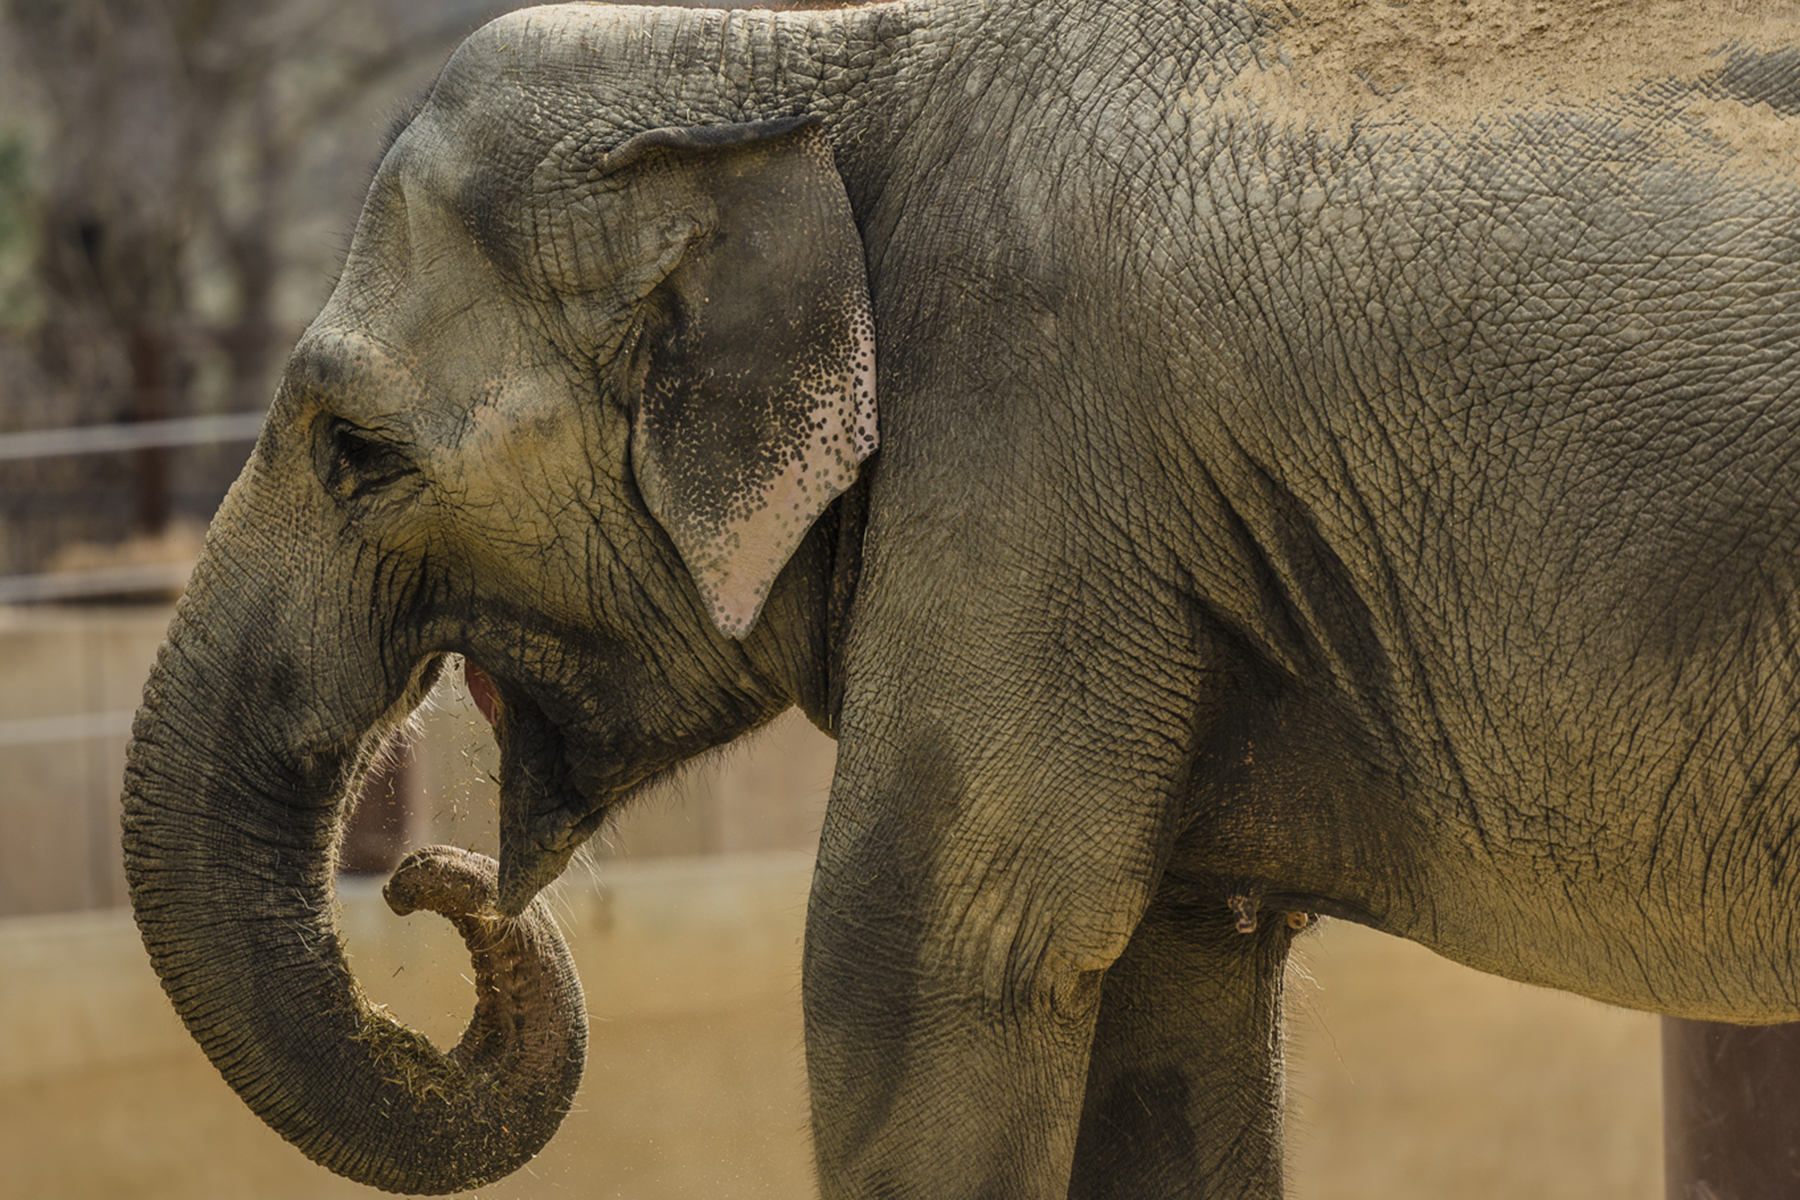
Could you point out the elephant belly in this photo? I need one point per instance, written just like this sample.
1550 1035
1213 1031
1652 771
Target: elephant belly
1645 872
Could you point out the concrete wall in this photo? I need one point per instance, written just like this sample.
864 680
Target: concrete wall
1411 1078
695 1085
765 792
70 678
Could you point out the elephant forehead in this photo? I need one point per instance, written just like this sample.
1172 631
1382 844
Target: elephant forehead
433 320
478 394
350 373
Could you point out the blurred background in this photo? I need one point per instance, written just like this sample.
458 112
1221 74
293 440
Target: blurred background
178 181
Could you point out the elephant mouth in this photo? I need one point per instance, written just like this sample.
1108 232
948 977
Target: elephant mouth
482 691
547 806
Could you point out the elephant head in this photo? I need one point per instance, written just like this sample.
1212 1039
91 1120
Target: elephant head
572 411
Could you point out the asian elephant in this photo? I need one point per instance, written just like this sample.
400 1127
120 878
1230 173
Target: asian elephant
1208 463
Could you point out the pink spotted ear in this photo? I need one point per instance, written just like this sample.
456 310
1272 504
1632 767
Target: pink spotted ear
758 397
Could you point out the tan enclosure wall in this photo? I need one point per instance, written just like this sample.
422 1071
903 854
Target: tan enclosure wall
1410 1077
70 678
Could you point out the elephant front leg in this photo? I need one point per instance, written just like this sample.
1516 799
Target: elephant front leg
1184 1081
921 1092
962 918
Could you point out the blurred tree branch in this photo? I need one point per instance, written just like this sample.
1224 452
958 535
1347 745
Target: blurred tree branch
168 190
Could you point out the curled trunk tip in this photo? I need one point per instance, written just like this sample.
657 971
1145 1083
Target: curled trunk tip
503 1090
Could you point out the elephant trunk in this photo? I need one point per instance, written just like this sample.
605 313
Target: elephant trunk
230 839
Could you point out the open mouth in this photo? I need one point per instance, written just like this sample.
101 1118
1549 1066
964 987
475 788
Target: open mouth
482 691
545 815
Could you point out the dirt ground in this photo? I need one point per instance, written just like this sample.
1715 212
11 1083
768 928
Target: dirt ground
1411 1077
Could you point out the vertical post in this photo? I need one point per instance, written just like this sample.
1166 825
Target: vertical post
1731 1111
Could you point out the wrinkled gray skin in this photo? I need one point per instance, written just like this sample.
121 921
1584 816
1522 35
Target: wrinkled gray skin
1380 502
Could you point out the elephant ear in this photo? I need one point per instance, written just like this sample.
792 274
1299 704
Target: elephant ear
756 362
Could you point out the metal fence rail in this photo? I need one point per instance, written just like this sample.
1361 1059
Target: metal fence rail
97 581
103 581
77 727
114 439
139 435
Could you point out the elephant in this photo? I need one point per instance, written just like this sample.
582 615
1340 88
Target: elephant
1209 464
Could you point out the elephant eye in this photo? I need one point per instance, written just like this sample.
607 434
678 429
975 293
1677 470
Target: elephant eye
358 463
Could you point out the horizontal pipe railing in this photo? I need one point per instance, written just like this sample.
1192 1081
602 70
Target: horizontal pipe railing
138 435
114 439
97 581
77 727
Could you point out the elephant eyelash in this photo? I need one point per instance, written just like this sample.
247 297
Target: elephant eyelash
361 464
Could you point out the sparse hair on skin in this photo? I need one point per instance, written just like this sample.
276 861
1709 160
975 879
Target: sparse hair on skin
399 117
